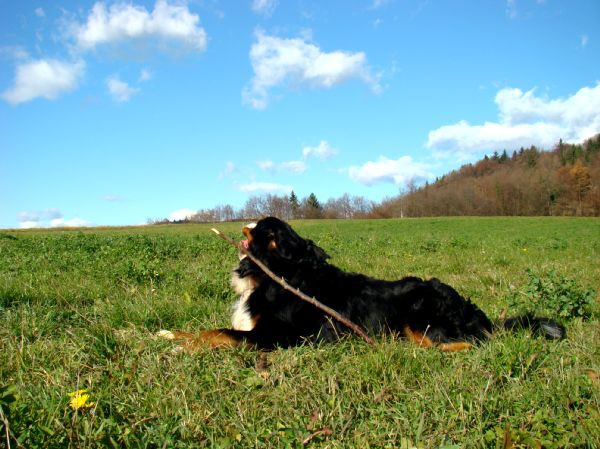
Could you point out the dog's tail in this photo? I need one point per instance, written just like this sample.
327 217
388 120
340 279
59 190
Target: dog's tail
545 327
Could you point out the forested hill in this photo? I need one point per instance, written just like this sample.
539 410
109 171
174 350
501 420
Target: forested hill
564 181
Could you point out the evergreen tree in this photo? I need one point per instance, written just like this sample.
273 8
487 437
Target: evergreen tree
312 206
294 204
313 202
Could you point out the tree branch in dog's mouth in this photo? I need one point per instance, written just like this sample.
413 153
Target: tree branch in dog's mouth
243 247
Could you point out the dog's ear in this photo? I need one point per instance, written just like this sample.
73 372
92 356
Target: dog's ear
283 246
296 249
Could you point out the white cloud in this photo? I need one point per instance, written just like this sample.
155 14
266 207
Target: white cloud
266 165
511 8
14 52
122 21
379 3
584 40
524 119
181 214
463 140
266 187
230 169
322 151
293 166
170 22
277 61
50 217
45 78
28 215
397 171
145 75
72 223
119 90
288 166
29 224
29 219
264 7
48 214
53 213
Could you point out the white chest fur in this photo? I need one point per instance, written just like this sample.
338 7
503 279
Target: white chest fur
240 317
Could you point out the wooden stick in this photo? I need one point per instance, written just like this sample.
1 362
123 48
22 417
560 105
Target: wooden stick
319 305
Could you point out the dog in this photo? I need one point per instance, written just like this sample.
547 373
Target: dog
266 316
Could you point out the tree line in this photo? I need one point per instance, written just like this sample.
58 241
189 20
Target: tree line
286 207
562 181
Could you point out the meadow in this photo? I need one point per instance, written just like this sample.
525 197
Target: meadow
79 310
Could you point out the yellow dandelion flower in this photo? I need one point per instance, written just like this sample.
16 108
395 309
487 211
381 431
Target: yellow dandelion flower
79 400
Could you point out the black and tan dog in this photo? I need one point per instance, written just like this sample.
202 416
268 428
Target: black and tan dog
428 312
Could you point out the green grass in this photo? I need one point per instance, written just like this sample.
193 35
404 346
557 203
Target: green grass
78 309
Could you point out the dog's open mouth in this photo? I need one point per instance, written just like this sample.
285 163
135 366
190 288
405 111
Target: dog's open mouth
246 245
243 244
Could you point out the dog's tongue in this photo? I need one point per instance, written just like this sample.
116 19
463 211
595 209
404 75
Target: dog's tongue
243 244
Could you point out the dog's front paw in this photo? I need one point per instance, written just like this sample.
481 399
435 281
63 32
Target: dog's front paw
184 337
167 335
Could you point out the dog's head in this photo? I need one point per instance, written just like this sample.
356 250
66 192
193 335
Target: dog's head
275 243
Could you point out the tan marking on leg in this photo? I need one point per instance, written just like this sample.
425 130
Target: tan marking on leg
189 342
455 346
418 337
217 339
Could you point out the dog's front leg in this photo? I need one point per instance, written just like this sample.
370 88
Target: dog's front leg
216 338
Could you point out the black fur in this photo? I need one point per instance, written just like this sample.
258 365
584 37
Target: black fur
427 307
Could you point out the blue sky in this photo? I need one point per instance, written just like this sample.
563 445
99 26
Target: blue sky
112 113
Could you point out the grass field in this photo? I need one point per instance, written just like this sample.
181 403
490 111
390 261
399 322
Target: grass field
78 310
